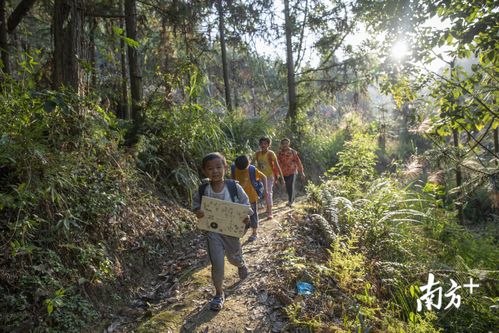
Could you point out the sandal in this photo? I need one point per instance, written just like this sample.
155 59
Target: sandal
217 303
252 238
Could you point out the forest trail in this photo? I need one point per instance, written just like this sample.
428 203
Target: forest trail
251 304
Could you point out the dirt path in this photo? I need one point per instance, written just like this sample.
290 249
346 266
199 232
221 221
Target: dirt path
250 304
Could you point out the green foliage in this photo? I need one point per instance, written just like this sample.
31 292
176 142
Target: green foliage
347 264
173 144
460 99
320 145
244 133
358 158
60 182
399 235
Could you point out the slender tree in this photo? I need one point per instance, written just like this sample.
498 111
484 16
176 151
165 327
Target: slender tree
4 48
225 67
292 103
124 108
459 174
496 144
134 66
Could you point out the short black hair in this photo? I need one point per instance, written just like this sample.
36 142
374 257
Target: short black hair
265 139
212 156
285 139
242 162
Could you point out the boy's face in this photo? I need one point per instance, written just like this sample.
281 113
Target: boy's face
284 144
264 145
215 170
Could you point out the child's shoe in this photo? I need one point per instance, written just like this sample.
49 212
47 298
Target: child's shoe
217 303
252 238
243 272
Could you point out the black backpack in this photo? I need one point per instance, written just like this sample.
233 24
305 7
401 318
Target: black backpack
231 186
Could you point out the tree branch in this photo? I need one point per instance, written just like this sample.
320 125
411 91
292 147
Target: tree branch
330 81
467 91
19 12
460 163
318 69
478 142
483 137
102 15
158 8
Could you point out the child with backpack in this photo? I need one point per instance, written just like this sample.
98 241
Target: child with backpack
253 181
266 160
214 167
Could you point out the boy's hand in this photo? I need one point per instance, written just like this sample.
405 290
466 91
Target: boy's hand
199 213
246 220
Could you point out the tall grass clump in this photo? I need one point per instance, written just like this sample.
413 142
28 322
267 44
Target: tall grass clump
176 136
173 143
245 132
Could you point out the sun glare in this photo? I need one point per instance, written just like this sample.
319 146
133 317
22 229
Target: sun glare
399 50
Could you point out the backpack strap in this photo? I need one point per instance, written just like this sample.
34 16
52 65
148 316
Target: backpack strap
252 174
231 185
233 171
201 190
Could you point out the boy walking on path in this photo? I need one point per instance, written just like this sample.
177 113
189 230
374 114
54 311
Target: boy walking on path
249 177
291 165
214 167
266 161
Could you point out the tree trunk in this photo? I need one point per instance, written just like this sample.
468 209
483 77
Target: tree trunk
166 51
495 195
496 142
236 95
124 108
459 175
253 98
189 56
134 66
4 46
225 67
93 51
292 103
68 28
